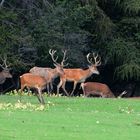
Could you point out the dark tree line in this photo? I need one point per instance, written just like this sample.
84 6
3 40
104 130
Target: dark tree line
29 28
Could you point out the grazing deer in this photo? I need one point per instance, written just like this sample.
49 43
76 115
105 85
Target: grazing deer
49 72
79 75
30 80
95 88
5 73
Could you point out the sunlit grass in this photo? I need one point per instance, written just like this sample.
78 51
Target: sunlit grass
69 118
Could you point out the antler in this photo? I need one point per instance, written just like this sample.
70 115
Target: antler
97 62
4 60
90 60
52 53
64 58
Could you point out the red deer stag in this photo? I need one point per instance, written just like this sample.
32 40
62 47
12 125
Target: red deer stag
95 88
30 80
79 75
49 72
5 73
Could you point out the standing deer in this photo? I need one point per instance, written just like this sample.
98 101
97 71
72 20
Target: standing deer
79 75
49 72
44 72
38 82
5 73
95 88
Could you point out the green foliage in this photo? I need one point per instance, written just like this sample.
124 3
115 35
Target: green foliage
30 28
8 28
60 29
126 57
9 33
128 71
129 27
129 6
13 36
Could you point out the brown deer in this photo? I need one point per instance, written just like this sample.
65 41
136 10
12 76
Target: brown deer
34 81
49 72
5 73
43 72
30 80
95 88
79 75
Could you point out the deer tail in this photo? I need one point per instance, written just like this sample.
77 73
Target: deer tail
123 93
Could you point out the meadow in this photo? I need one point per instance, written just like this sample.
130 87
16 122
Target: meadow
69 118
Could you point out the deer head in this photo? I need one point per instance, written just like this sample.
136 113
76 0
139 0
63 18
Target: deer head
94 63
5 73
59 66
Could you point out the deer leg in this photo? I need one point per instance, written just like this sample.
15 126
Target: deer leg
62 83
63 87
43 102
82 86
28 89
21 90
74 86
48 88
58 86
40 97
1 89
51 85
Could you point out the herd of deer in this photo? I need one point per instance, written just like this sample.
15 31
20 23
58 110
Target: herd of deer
39 78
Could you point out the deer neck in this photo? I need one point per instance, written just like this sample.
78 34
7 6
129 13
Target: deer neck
2 78
86 73
55 72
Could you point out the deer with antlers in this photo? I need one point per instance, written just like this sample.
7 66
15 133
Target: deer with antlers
79 75
39 82
49 72
5 73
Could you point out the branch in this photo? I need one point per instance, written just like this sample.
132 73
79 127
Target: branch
1 3
47 3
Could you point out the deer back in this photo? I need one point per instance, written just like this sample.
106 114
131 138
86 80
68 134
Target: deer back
41 71
33 81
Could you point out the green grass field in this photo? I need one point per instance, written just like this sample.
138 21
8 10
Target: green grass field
73 118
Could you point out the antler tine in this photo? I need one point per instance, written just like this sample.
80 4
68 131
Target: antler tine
97 62
64 58
52 53
4 60
1 66
89 60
